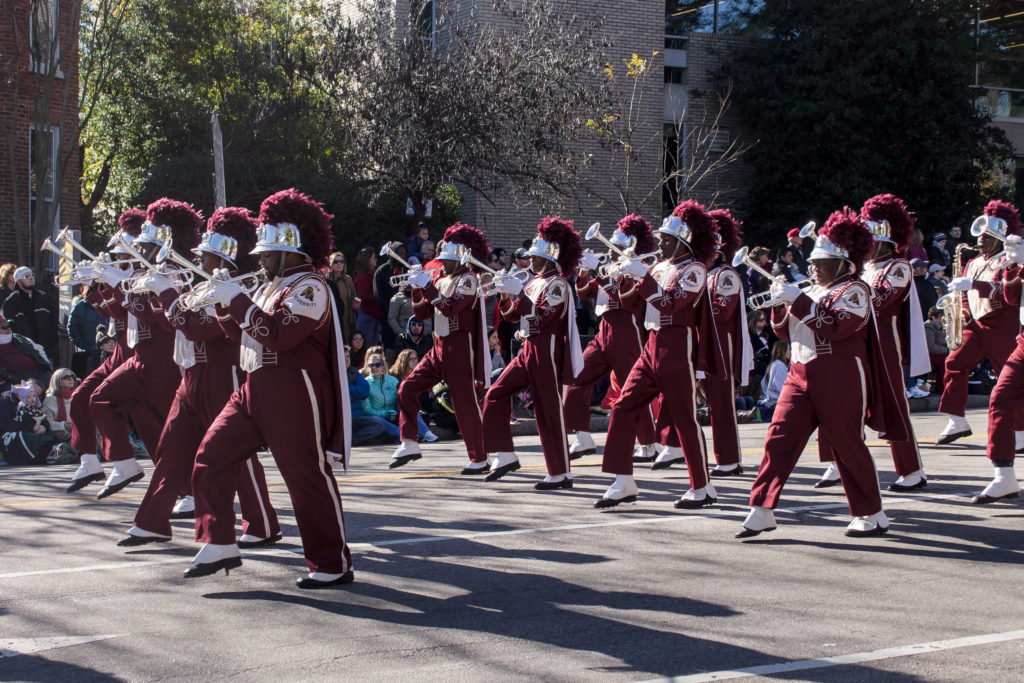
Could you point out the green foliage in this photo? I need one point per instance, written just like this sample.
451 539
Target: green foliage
857 97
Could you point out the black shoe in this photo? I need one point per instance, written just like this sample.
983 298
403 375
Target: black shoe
207 568
715 472
404 460
665 464
497 474
309 582
552 485
579 454
682 504
612 502
468 471
827 483
644 458
877 531
950 438
84 481
750 533
111 490
130 541
190 514
982 499
913 487
270 540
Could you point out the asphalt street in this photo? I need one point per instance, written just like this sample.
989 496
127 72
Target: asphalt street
459 580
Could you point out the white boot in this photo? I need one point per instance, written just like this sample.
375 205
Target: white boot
622 490
727 470
697 498
185 508
213 557
869 525
408 451
555 481
758 519
125 472
957 427
1003 485
89 470
477 468
830 477
911 482
503 463
668 457
582 445
645 452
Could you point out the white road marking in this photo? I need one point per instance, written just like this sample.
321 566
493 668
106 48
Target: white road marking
841 660
12 647
280 551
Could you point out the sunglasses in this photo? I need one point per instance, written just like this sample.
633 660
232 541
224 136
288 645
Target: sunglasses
334 263
67 377
375 365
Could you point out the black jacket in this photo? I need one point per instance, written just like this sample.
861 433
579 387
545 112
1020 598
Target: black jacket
33 315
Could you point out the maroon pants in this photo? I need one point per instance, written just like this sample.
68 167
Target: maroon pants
810 399
288 411
143 391
83 429
665 366
611 350
203 392
1004 406
721 393
979 343
450 359
537 366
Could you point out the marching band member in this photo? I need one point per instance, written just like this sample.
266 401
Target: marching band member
619 340
459 356
682 341
144 386
295 399
83 429
991 322
210 375
550 358
900 329
832 383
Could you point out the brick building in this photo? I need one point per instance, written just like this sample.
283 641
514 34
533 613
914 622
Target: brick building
39 159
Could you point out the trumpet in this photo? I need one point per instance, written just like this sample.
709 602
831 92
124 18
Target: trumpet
490 288
611 269
764 299
386 250
182 278
809 230
742 258
594 232
65 236
75 275
403 278
198 297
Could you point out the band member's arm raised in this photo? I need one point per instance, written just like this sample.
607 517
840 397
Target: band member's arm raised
892 290
195 325
142 308
835 318
780 322
303 308
463 296
586 286
1012 285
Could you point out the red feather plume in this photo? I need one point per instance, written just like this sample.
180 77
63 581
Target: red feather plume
314 223
1008 212
704 239
239 224
635 225
889 207
730 235
131 221
471 238
846 230
561 232
183 220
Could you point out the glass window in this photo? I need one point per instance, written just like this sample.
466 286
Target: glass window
708 16
674 74
1001 40
43 31
42 149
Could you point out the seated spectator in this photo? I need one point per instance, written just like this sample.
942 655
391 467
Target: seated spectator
364 428
935 336
427 252
755 281
21 358
357 344
57 402
382 401
497 362
32 313
81 328
404 364
415 338
414 245
784 266
27 437
937 279
771 385
105 345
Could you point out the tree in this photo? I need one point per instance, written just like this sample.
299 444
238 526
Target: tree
858 97
490 98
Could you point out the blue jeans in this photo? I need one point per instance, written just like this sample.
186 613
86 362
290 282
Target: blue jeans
388 428
369 327
365 428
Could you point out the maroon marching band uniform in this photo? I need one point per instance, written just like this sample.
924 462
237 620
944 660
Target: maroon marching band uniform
1008 394
615 348
543 364
292 402
455 357
209 378
890 283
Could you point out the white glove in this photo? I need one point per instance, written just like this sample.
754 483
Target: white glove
589 260
418 278
1015 252
509 285
784 292
112 275
221 293
634 268
962 284
221 274
155 282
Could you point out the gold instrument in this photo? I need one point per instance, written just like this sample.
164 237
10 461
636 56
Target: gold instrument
198 297
490 288
952 304
612 268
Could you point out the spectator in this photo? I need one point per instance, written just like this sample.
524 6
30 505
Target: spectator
938 349
81 328
105 345
954 238
415 338
27 438
502 257
346 289
917 249
7 281
404 364
382 400
937 279
795 247
368 313
926 295
938 254
399 313
414 245
364 427
427 252
784 266
358 349
21 358
507 330
755 281
522 259
383 290
771 385
57 403
31 312
492 261
493 343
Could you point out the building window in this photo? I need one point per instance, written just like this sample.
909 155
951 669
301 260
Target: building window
424 20
43 35
708 16
43 147
674 74
672 162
